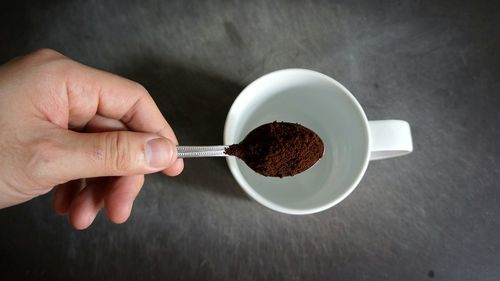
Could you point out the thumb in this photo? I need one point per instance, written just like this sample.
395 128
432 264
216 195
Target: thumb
116 153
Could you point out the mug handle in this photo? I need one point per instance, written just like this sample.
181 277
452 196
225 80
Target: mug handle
389 138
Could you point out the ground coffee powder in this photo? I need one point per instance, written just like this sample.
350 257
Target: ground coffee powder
279 149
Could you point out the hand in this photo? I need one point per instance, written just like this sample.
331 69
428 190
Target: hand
91 134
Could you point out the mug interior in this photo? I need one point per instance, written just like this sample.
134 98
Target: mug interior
319 103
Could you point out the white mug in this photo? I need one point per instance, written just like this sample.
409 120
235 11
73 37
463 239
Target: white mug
325 106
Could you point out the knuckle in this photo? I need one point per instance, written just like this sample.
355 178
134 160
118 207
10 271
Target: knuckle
117 158
46 53
58 67
48 62
140 88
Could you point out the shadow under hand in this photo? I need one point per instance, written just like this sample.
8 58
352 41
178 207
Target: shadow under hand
195 104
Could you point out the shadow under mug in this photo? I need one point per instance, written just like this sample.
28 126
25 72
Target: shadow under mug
325 106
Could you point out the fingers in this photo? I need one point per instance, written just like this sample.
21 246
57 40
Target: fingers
86 91
103 124
117 195
64 195
120 197
175 169
91 91
86 155
119 192
99 124
86 205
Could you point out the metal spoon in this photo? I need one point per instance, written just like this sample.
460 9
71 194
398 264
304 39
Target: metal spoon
201 151
277 149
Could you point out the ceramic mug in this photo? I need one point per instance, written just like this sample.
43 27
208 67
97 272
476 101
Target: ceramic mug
325 106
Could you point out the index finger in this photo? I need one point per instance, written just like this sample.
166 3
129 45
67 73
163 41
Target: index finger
114 97
91 91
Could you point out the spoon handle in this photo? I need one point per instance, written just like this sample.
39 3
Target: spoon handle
201 151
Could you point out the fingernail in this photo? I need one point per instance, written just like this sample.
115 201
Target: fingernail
159 152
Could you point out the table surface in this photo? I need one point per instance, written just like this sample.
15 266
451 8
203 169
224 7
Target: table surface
431 215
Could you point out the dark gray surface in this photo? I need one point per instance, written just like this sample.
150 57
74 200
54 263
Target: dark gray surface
432 214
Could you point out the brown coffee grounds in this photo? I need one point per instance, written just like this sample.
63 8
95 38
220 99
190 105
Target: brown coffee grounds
279 149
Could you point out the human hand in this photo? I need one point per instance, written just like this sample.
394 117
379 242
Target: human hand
91 134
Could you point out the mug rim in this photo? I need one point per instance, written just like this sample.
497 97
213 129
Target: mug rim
247 188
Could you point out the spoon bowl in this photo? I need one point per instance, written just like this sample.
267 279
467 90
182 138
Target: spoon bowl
277 149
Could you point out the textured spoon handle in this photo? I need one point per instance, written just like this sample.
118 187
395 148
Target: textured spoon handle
201 151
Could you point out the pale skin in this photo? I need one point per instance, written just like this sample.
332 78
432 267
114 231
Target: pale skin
88 134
